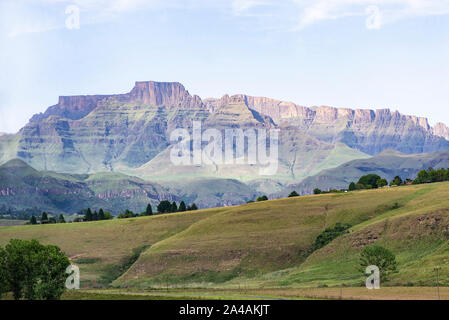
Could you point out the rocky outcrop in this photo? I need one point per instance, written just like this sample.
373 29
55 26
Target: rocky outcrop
164 94
441 130
72 107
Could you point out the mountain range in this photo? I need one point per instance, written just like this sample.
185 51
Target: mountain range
128 136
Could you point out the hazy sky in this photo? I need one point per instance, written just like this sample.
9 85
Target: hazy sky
345 53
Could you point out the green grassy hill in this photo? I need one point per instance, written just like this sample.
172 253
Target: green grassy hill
263 244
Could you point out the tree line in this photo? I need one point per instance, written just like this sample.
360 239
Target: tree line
374 181
164 206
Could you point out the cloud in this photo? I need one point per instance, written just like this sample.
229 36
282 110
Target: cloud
377 12
281 15
240 6
36 16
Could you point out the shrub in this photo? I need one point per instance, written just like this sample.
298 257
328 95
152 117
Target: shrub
378 256
293 194
330 234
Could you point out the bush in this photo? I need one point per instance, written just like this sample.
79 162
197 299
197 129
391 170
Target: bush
397 181
381 183
330 234
369 181
262 198
317 191
293 194
378 256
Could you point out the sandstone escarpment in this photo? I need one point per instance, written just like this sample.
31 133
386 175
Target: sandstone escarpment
164 94
87 134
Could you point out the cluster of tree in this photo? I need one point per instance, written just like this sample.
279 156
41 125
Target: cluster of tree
432 175
95 216
45 219
330 234
166 206
319 191
261 198
369 181
32 271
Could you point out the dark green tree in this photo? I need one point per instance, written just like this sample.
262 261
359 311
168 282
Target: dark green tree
381 183
182 207
378 256
293 194
262 198
423 177
61 219
88 216
34 271
352 186
101 214
317 191
193 207
369 181
397 181
95 216
174 207
33 220
108 216
164 206
149 210
44 218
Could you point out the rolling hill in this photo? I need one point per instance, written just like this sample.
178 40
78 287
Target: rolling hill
264 244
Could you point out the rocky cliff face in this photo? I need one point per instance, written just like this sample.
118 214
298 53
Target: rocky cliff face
164 94
441 130
87 134
370 131
145 92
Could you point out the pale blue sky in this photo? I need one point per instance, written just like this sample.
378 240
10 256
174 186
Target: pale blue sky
345 53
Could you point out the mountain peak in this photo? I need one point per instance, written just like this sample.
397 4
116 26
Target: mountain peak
16 164
164 93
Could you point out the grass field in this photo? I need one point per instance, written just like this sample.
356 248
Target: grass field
385 293
265 246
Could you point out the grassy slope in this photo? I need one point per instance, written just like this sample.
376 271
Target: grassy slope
250 241
100 247
264 244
